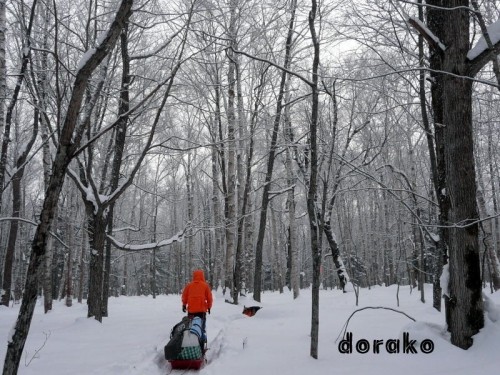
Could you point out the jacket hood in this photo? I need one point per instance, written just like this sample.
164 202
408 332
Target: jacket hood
198 275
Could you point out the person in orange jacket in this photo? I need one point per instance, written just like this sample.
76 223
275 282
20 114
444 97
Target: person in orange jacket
197 296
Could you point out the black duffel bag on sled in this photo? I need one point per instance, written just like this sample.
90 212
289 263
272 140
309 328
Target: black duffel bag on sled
174 346
187 345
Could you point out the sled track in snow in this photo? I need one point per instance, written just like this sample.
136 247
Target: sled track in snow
216 346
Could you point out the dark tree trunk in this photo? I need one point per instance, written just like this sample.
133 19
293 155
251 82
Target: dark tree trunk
120 138
466 311
238 268
239 264
68 285
231 192
222 166
270 164
97 236
16 209
334 248
11 242
437 151
464 308
312 191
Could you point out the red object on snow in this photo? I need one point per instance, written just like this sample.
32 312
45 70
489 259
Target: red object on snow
187 364
251 311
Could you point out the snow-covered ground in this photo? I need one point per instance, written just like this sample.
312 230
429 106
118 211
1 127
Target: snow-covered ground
275 341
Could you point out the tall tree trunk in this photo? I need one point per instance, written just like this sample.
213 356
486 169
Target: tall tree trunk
436 148
46 154
11 243
239 264
223 178
81 267
68 290
243 185
97 236
119 146
276 248
312 191
16 209
465 317
190 214
231 195
247 271
218 239
293 248
270 163
154 214
3 70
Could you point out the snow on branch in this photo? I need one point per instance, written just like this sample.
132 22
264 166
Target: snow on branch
179 237
282 191
432 39
491 42
129 228
493 32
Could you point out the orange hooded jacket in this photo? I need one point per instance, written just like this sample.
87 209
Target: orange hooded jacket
197 294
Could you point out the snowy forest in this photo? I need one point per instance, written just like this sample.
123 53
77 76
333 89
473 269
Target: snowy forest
288 144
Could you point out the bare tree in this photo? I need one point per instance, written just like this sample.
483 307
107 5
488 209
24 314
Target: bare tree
257 289
68 143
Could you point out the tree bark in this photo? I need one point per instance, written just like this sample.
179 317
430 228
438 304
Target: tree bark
239 256
119 146
68 290
97 235
231 194
436 148
218 236
293 249
312 190
465 317
3 70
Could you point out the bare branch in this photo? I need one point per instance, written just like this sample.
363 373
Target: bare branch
34 224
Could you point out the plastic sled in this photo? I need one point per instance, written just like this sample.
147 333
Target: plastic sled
187 364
